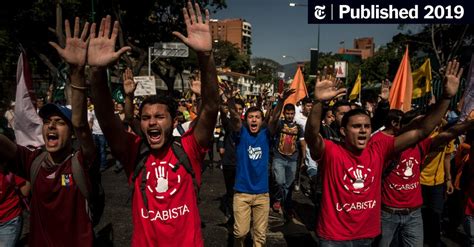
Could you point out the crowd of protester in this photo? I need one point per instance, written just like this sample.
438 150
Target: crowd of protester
379 176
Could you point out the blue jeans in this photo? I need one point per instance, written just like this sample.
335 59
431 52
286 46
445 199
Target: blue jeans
406 230
366 242
284 172
469 229
312 166
10 231
100 143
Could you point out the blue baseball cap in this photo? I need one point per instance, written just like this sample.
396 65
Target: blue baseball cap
48 109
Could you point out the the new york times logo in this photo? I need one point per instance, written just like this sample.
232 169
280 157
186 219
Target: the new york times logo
319 12
389 11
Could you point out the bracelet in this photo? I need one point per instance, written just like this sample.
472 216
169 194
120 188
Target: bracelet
78 87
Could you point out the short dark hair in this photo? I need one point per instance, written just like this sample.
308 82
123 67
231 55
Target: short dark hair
239 102
351 113
289 107
393 115
306 100
339 104
163 99
253 109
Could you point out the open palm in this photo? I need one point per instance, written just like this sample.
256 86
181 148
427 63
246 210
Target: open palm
75 51
199 34
101 50
327 89
452 78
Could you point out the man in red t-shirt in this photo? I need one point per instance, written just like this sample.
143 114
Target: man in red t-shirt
59 211
11 220
401 191
164 202
351 172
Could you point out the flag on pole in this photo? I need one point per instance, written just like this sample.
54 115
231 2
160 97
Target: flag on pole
356 90
422 80
468 97
28 124
299 86
402 87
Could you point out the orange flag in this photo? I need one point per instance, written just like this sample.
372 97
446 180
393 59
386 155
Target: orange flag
402 86
300 87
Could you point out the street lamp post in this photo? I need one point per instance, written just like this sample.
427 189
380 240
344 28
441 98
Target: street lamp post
305 5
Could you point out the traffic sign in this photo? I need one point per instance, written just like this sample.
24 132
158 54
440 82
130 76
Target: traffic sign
171 49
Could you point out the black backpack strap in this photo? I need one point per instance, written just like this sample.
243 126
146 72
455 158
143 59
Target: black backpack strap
180 129
79 176
183 160
35 167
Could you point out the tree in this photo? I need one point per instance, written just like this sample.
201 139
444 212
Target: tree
265 70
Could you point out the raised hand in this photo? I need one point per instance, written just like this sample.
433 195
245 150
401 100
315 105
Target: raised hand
199 34
286 93
452 79
328 87
75 51
195 86
384 90
129 85
101 50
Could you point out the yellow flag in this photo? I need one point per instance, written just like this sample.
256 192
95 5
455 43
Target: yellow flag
422 80
357 88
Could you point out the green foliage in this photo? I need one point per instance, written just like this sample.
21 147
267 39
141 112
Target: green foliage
265 70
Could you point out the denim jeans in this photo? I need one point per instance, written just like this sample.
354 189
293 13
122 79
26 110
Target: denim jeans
248 206
10 231
312 166
284 172
366 242
406 230
469 229
100 143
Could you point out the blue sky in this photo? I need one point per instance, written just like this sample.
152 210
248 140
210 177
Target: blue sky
278 29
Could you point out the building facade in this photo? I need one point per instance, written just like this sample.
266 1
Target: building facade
235 31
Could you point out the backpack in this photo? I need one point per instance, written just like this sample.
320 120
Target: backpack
91 190
183 160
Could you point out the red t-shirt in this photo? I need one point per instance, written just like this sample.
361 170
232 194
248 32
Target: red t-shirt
58 208
172 217
10 204
350 204
469 210
401 188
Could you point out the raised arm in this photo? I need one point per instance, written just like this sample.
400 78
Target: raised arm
446 136
129 86
101 53
326 88
8 150
199 39
74 53
425 127
235 122
273 120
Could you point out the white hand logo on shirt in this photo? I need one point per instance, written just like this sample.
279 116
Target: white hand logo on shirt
161 179
359 179
409 170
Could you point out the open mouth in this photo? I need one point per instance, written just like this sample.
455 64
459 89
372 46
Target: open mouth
361 139
52 139
253 127
154 136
